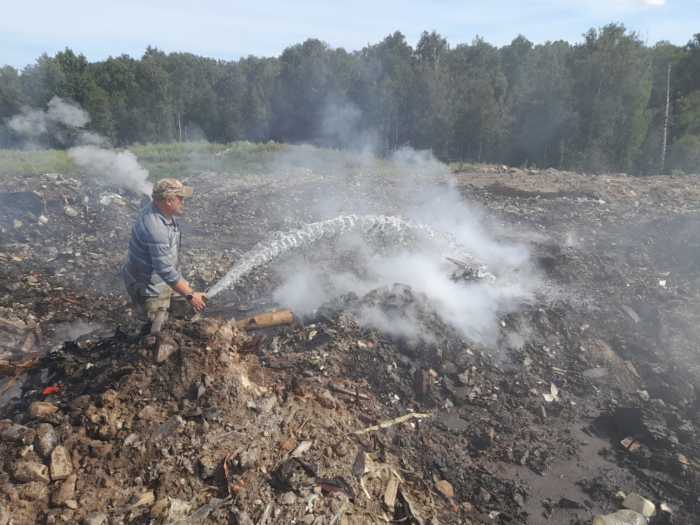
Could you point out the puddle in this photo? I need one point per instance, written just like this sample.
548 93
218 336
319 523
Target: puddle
560 481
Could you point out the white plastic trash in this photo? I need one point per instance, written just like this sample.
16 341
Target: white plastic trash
639 504
621 517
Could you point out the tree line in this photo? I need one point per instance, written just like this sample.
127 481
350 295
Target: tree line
607 103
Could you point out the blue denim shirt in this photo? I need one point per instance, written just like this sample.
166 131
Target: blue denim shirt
153 253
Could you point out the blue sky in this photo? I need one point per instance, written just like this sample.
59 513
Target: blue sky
231 29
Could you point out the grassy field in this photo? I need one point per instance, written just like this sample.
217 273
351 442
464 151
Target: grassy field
185 160
161 160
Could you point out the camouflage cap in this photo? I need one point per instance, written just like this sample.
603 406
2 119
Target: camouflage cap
165 187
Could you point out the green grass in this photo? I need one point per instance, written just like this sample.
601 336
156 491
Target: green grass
187 160
161 160
184 160
29 163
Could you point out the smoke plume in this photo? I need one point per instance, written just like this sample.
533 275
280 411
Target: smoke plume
415 186
120 168
64 122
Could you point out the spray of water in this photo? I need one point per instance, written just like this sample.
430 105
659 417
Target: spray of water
281 243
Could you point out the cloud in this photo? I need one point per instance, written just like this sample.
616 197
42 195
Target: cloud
610 7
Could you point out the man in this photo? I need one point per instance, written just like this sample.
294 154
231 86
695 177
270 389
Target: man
151 271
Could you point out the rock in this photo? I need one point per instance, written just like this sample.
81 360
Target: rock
25 471
160 508
482 439
626 517
80 403
248 458
16 433
484 495
70 211
340 449
64 491
46 440
167 346
242 518
178 511
422 384
639 504
463 378
448 368
61 466
100 449
132 440
288 498
96 518
288 444
42 409
451 422
4 516
60 517
326 399
145 500
109 398
445 488
33 491
148 413
207 466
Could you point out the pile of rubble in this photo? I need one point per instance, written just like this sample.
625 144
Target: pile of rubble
328 421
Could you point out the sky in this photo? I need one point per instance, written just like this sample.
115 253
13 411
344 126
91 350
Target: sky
231 29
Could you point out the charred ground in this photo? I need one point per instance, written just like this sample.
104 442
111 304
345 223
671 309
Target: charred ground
262 428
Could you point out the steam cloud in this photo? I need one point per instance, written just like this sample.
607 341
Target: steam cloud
117 167
424 193
64 121
33 123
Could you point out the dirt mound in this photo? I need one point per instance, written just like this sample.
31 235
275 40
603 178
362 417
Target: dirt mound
327 422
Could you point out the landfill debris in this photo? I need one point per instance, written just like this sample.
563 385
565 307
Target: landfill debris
552 395
392 422
266 320
639 504
209 432
621 517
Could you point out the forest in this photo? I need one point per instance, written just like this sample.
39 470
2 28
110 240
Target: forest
610 103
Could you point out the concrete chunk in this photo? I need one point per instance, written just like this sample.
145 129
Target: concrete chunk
61 466
26 471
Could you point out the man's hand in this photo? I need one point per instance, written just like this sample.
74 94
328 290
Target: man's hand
198 301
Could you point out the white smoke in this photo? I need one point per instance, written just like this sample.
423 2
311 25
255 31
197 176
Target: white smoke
33 123
341 125
424 192
65 121
70 331
120 168
67 113
398 324
30 123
